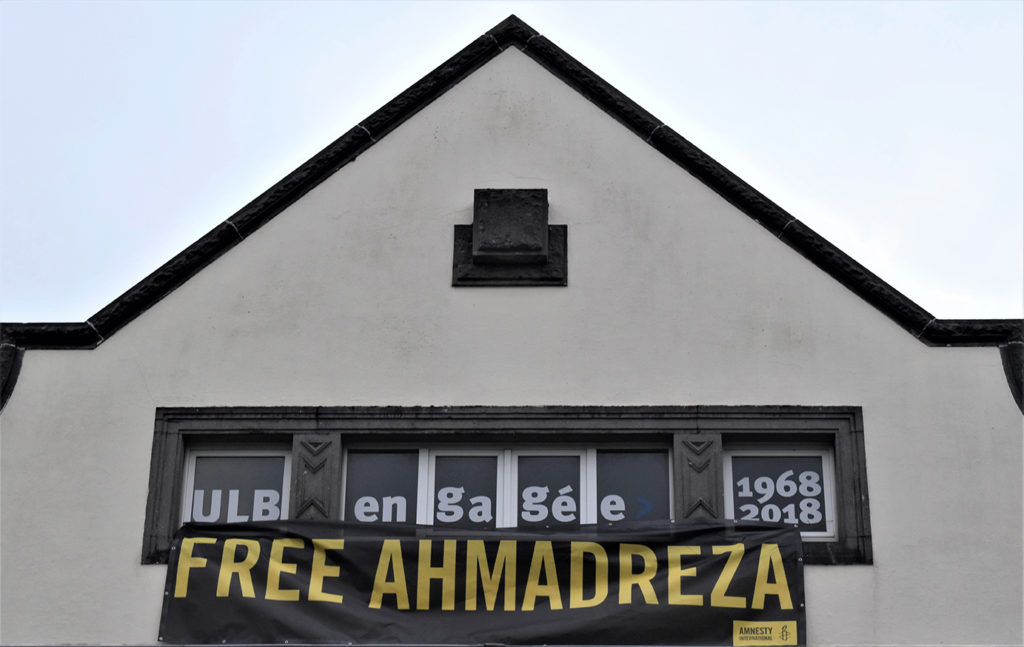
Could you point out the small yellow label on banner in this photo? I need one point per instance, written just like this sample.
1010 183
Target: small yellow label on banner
764 633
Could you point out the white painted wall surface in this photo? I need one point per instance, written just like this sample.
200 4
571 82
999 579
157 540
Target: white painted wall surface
674 298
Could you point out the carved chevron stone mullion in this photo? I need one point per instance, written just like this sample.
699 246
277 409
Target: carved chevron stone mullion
699 467
317 463
313 503
698 446
314 467
700 503
313 447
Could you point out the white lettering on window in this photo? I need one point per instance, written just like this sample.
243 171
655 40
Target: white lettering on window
366 508
563 508
448 499
394 508
612 507
265 505
197 506
233 515
481 510
533 503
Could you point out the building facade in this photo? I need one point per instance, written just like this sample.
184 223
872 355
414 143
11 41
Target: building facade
514 272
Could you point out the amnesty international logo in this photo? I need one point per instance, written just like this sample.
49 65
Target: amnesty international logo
764 633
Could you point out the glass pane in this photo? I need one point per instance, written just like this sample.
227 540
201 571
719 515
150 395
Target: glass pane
465 491
632 486
549 491
381 486
237 488
781 489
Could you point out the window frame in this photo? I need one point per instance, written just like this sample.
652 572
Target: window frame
507 501
695 437
587 473
426 482
827 456
192 453
417 512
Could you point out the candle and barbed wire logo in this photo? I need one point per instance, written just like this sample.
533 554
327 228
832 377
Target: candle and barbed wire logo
764 633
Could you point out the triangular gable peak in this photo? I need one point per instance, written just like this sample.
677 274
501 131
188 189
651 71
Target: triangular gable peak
512 32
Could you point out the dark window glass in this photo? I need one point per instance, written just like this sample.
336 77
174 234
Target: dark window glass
781 489
465 491
549 491
632 486
237 488
381 486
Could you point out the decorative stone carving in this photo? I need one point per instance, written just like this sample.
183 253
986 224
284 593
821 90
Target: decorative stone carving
316 470
510 242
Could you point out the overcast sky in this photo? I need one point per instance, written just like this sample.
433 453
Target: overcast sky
130 129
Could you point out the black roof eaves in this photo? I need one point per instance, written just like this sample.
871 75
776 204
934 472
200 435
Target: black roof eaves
512 32
50 335
974 332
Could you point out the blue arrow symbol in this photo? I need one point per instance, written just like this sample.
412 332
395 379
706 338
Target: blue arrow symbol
645 507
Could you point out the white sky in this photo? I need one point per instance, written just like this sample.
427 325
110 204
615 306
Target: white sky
129 129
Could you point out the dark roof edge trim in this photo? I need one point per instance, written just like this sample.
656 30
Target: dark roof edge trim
10 367
512 32
1012 355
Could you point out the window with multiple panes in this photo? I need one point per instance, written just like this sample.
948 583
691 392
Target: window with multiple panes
488 468
506 486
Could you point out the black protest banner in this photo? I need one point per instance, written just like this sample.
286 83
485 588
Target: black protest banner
720 583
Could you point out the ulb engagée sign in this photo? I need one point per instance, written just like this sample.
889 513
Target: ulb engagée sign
720 583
